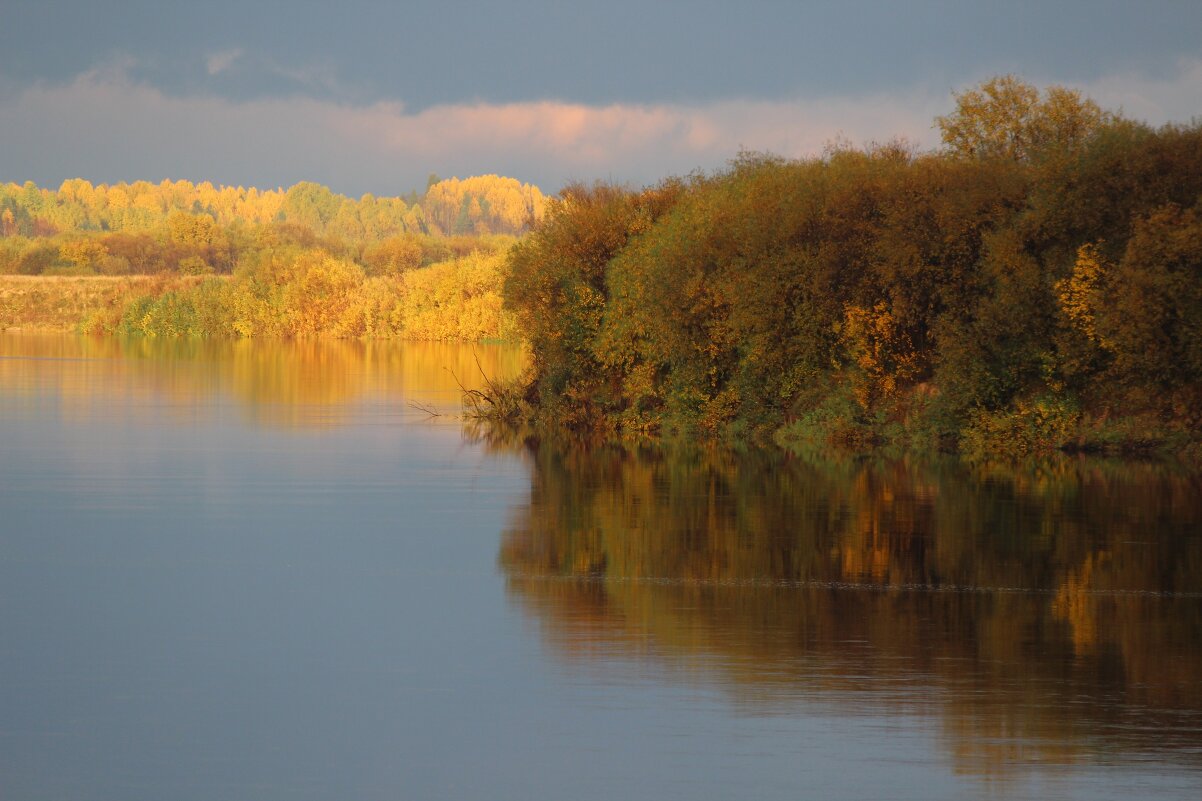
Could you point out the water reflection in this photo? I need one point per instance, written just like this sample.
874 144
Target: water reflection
275 382
318 614
1048 616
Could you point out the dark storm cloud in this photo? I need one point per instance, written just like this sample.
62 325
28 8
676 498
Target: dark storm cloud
629 51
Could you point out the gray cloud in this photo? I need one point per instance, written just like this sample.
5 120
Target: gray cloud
1176 97
593 51
106 126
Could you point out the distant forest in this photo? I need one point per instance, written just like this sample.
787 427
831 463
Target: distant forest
234 262
178 226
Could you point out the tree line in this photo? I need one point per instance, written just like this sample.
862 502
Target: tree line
178 226
1034 284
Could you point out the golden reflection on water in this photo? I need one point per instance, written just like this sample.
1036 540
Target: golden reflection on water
1044 616
306 383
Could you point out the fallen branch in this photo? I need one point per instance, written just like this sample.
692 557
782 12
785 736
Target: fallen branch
425 409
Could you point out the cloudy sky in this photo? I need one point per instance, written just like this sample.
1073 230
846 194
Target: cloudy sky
372 96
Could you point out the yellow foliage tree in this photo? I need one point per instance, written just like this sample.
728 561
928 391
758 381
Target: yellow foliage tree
1006 118
1077 294
86 254
503 205
881 349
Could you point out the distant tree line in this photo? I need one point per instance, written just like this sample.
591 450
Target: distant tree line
178 226
308 292
1034 284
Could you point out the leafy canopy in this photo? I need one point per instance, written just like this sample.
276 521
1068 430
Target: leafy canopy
1006 118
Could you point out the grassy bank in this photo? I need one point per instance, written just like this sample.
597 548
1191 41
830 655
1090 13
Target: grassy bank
61 303
302 293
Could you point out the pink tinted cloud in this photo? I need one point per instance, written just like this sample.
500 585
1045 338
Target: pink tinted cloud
105 126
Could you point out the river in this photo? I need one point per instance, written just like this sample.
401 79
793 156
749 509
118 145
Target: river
286 570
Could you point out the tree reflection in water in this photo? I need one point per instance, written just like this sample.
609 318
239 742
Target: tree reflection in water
1050 614
310 383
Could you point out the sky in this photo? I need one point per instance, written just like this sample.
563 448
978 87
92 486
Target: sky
372 96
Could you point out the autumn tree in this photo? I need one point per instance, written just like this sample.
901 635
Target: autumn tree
558 286
1007 118
393 256
311 204
84 254
483 204
192 229
1153 315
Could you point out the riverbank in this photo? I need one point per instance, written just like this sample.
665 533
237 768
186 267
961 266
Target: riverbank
64 303
289 294
916 425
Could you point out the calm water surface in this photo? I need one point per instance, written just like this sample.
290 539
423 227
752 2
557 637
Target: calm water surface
260 571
